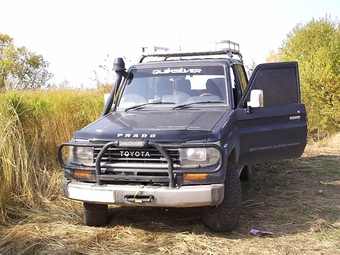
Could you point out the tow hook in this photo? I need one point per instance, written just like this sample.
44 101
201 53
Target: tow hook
139 199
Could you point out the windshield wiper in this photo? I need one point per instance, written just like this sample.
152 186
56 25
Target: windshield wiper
141 105
192 103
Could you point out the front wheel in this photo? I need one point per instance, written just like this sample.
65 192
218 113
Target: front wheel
95 214
225 216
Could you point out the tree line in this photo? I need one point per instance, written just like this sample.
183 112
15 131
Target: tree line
21 69
314 45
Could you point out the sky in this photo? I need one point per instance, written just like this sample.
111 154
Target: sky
81 38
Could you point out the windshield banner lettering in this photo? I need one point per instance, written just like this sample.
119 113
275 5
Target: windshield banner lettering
176 70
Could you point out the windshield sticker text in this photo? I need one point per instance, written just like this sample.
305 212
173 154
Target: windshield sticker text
177 70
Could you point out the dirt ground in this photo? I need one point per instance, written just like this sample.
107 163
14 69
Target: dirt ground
297 200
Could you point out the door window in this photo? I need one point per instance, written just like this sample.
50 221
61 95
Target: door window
279 83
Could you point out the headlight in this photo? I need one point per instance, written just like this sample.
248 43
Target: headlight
198 157
81 155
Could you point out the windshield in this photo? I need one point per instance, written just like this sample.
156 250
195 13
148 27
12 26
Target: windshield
172 86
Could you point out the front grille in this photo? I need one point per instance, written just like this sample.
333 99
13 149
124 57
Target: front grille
144 157
145 165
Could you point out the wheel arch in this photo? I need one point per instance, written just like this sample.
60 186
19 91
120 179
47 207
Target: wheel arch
232 157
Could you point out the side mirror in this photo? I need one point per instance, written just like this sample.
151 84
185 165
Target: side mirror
256 98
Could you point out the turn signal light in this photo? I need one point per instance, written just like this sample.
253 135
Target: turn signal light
82 174
194 177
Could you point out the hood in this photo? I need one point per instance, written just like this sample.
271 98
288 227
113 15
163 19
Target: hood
180 125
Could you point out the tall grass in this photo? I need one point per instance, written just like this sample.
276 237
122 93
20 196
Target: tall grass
14 158
32 125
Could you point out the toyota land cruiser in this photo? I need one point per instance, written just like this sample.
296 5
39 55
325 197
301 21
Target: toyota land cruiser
181 130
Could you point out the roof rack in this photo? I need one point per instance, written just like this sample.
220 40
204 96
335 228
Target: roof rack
229 49
154 48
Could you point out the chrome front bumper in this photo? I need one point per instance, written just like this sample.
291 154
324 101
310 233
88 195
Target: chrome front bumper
139 195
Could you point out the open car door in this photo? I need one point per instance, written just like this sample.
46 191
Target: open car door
275 129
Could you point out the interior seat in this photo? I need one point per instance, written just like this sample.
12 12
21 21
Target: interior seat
213 89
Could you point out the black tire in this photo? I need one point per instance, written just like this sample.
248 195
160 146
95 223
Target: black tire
95 214
246 173
226 216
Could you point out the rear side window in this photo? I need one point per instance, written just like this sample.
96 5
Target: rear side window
242 77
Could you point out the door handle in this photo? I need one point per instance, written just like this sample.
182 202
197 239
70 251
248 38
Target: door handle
294 118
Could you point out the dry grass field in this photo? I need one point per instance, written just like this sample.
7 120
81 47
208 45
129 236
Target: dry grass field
298 200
